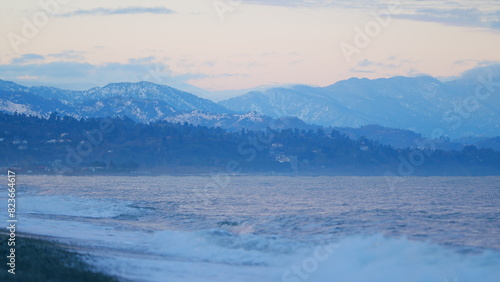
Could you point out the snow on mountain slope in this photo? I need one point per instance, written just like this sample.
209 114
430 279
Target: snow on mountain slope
236 122
143 101
421 104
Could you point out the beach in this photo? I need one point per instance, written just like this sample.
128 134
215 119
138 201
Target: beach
39 258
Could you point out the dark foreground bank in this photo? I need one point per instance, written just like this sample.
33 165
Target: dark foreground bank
42 260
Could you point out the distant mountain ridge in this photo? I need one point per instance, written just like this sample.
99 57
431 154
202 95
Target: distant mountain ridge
237 122
142 101
420 104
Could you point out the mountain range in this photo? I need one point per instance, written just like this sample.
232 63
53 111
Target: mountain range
143 101
420 104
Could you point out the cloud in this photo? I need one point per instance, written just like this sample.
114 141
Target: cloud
361 71
495 25
119 11
81 76
142 60
484 72
367 63
471 17
480 13
319 3
68 54
27 77
26 58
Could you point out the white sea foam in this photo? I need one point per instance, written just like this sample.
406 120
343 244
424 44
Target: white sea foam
72 206
378 258
212 256
371 258
233 253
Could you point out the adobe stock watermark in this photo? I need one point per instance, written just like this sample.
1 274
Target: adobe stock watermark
363 36
471 103
11 221
31 26
222 7
249 148
75 155
158 74
93 138
303 270
461 111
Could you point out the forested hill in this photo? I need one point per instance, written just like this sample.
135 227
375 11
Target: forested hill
68 145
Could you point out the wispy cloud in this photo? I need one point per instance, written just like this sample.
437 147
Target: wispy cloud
27 77
27 58
320 3
119 11
386 64
68 54
472 13
81 76
472 17
488 69
361 71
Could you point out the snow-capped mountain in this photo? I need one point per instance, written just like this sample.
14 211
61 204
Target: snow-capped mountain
17 98
179 100
143 101
421 104
236 122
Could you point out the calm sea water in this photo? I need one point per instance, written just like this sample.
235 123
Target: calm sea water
266 228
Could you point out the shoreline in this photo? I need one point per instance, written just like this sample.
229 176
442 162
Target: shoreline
222 172
38 258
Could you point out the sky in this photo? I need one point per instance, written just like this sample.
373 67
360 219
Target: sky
220 45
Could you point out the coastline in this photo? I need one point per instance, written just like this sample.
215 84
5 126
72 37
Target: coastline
210 171
41 259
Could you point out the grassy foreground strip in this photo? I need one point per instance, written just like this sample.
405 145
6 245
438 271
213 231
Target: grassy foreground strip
41 260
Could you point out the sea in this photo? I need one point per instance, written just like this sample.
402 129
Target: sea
270 228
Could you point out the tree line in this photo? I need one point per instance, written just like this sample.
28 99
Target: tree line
66 144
